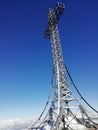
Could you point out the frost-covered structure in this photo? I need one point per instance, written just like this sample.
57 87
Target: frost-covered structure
65 111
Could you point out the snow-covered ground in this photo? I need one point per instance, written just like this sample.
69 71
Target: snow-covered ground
22 124
79 127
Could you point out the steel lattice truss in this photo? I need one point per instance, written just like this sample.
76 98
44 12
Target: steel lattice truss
64 109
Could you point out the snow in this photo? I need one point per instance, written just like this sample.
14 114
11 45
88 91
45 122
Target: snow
75 127
23 124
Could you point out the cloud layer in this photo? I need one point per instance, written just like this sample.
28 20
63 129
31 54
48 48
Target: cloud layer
15 124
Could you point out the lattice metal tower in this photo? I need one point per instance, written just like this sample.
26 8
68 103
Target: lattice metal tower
65 109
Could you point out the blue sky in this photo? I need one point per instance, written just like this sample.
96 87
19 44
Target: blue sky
26 59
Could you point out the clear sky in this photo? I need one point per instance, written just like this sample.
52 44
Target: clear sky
25 56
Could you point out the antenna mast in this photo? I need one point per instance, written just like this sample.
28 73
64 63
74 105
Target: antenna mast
65 109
